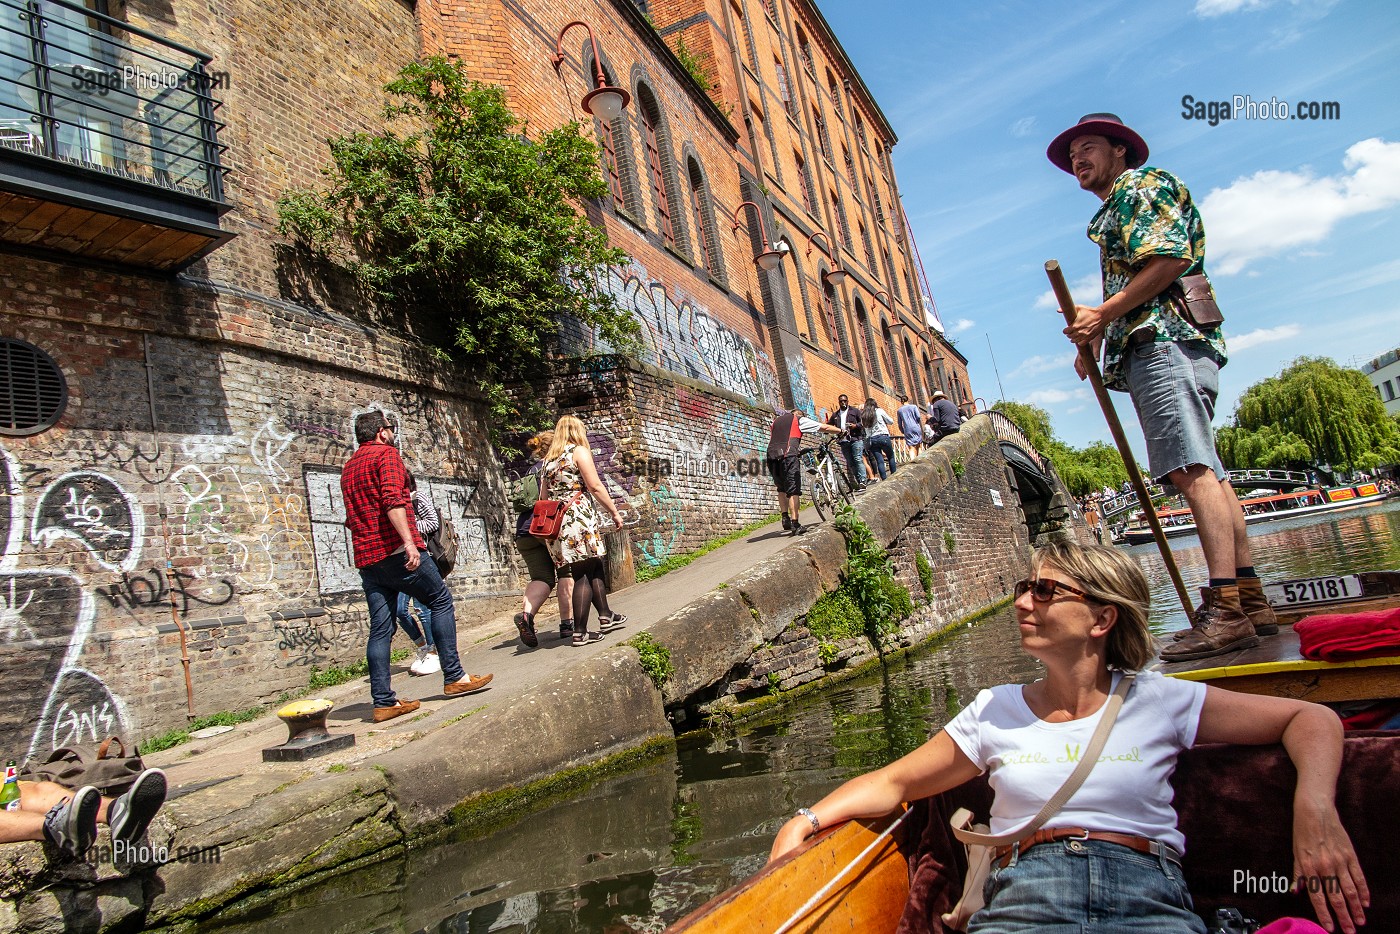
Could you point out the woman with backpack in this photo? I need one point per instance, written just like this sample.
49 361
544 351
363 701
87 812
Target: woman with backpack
543 575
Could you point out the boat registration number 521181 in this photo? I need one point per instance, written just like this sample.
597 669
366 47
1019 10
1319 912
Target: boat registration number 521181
1314 590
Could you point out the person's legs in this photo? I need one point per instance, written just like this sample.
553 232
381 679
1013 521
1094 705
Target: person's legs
536 593
566 606
381 599
1215 511
406 621
425 584
858 456
583 597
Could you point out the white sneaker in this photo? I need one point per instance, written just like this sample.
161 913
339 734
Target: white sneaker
426 663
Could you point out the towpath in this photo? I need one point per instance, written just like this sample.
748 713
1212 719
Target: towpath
486 645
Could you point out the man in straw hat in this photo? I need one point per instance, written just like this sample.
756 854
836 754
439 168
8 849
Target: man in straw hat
1166 354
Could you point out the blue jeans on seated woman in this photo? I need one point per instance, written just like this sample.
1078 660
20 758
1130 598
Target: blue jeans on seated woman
383 582
1086 885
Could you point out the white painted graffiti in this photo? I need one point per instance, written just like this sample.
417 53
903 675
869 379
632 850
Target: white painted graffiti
94 510
682 336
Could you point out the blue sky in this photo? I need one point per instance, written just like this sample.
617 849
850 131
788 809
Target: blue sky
1302 218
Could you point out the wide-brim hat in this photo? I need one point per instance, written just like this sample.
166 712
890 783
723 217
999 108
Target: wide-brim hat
1104 124
939 394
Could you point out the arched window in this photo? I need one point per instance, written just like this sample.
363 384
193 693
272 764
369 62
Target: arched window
823 138
867 337
891 354
804 51
659 167
869 250
842 227
804 182
703 217
618 164
835 326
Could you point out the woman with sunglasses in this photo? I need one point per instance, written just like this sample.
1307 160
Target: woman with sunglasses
1083 615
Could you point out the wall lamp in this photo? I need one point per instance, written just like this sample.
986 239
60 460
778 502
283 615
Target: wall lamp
835 275
605 101
768 259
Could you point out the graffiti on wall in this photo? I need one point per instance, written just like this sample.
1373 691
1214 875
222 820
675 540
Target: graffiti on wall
335 559
681 335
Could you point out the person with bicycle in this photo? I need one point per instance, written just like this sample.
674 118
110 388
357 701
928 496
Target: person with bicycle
784 445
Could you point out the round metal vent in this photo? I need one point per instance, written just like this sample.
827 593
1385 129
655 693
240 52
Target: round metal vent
33 393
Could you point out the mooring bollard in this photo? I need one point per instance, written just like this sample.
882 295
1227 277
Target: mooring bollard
307 735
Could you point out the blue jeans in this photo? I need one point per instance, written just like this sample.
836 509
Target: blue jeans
855 459
1086 885
406 621
881 449
383 582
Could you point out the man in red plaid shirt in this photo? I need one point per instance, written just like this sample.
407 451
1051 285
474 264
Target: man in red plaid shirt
383 532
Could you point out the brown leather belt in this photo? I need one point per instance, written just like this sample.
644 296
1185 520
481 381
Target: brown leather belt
1052 834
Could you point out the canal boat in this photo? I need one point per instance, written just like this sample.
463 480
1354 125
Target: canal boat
1267 507
901 871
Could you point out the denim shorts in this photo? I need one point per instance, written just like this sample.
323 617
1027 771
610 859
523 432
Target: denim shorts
1086 885
1174 386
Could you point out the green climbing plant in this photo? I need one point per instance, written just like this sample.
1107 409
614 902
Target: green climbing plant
868 578
469 218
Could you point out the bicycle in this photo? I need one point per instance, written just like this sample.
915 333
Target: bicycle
830 483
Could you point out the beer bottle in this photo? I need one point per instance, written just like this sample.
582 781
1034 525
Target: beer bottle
9 797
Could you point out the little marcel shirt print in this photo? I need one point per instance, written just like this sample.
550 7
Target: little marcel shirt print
1148 212
1129 789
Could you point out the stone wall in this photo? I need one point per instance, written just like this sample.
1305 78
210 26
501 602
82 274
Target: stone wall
956 506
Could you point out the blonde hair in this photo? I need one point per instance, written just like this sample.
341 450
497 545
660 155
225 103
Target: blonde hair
1113 579
568 430
539 444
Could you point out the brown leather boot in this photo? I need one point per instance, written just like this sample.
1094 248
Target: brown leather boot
1196 617
1219 627
1256 606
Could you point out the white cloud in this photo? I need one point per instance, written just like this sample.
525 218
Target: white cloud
1262 336
1210 8
1035 366
1056 396
963 324
1023 127
1086 290
1272 213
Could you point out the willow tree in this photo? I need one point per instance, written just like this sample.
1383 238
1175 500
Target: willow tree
1314 413
468 218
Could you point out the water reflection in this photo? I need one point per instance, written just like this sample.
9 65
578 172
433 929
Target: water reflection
640 851
1367 539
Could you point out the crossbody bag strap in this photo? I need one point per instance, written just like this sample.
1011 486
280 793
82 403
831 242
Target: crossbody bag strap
1071 785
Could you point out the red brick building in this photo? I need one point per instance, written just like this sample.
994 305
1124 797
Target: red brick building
178 382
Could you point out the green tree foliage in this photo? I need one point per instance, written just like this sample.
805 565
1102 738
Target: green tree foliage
469 218
1083 470
1314 413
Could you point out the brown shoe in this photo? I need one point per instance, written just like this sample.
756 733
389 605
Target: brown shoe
468 685
1256 606
398 710
1219 627
1197 618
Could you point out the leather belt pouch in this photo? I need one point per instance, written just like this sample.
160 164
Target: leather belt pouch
1195 301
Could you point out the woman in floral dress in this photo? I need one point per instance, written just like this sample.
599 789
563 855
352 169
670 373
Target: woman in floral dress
570 475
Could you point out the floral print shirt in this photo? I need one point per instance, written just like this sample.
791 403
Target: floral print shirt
1148 213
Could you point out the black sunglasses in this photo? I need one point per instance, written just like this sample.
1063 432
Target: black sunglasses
1043 591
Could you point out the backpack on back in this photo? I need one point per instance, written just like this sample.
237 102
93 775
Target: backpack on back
524 491
442 545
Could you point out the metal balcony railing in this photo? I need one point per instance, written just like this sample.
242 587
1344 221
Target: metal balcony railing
82 88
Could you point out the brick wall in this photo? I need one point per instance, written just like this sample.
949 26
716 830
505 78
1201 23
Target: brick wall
973 534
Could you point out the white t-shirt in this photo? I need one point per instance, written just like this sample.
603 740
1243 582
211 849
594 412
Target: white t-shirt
1129 789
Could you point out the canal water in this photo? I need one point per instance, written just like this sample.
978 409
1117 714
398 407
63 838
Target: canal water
639 851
